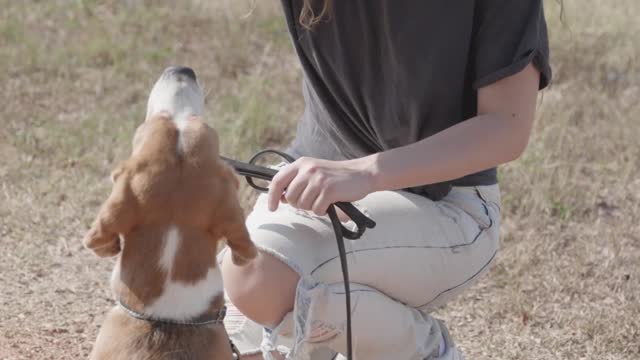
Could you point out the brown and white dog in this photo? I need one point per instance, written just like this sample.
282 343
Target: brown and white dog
173 201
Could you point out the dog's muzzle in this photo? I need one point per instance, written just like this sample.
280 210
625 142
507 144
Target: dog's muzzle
178 92
181 71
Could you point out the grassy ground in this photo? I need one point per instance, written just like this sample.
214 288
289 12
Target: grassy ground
74 81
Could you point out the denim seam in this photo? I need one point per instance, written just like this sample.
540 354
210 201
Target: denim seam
487 202
496 205
479 194
484 205
355 291
462 283
407 247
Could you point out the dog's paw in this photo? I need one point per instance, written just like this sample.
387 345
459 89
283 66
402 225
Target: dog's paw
101 246
241 258
108 250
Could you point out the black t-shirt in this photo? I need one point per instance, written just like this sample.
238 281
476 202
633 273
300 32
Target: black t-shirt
380 74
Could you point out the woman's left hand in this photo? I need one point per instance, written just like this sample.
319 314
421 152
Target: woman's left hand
314 184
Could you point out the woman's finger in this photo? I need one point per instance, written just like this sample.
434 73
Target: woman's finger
321 204
308 196
279 184
295 189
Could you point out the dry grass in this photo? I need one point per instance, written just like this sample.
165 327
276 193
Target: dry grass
74 84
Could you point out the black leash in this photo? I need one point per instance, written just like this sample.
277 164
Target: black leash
250 171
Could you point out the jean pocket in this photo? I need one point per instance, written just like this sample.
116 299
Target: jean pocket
490 197
470 201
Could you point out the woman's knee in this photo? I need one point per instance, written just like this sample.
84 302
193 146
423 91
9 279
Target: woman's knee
263 290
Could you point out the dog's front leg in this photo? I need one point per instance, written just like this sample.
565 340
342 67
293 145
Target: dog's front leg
235 231
116 217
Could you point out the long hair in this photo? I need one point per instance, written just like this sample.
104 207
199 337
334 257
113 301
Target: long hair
309 15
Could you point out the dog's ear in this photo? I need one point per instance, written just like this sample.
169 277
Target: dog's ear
116 217
138 137
115 174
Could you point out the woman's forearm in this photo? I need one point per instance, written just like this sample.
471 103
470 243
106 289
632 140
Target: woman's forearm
477 144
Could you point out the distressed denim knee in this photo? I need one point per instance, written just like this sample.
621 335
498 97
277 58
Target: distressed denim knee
318 321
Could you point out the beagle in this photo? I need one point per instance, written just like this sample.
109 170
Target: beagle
173 201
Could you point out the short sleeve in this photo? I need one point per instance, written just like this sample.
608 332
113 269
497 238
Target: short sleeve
509 35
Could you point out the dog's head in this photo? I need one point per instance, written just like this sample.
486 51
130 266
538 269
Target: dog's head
177 97
177 92
174 176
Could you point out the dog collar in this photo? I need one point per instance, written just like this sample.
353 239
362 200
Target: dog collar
202 320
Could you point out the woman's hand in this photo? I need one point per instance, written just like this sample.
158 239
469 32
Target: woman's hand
314 184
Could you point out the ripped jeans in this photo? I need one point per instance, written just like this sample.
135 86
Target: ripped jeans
419 256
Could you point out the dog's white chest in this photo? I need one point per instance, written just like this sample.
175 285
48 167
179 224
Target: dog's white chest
183 300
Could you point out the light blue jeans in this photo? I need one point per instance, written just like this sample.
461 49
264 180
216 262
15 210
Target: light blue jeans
420 255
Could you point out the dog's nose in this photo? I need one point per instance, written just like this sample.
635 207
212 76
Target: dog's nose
182 70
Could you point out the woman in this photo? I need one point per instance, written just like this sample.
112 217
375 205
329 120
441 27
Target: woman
410 106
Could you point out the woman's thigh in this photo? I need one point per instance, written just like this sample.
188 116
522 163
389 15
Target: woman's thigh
421 252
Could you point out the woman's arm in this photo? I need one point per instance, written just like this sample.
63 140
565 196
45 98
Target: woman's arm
499 134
